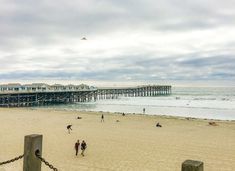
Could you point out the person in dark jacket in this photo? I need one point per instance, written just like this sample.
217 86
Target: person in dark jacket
143 110
69 127
102 118
83 147
77 145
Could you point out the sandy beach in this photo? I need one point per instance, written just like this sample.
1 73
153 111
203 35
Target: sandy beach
134 143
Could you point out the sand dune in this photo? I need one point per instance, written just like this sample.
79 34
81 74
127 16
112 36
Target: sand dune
134 143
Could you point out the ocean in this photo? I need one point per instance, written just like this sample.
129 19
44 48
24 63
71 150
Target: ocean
196 102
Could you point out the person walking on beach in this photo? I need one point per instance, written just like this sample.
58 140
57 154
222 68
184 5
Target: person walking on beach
102 118
69 127
143 110
77 145
83 147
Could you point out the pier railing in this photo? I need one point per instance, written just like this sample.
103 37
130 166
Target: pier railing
33 157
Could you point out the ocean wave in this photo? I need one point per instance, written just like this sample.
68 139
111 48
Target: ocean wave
212 98
156 106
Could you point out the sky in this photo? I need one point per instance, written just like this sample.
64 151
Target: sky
128 41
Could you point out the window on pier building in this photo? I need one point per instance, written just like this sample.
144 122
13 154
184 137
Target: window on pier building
16 89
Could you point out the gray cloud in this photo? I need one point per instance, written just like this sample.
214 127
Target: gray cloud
137 68
42 39
49 19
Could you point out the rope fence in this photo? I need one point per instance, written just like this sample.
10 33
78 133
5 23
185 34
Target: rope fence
33 159
12 160
37 153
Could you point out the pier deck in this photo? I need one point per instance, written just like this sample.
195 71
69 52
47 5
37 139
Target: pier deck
17 98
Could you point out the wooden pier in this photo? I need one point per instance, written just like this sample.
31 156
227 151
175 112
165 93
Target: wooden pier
64 94
140 91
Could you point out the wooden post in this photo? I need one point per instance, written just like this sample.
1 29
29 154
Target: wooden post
191 165
31 144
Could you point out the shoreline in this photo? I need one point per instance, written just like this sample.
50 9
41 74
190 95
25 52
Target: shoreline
138 114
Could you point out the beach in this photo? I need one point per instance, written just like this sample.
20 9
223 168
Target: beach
133 143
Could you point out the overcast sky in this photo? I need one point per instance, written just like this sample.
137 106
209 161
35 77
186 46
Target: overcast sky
148 41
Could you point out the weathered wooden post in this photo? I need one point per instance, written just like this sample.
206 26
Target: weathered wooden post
31 144
191 165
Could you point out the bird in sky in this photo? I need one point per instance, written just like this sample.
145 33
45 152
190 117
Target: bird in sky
84 38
